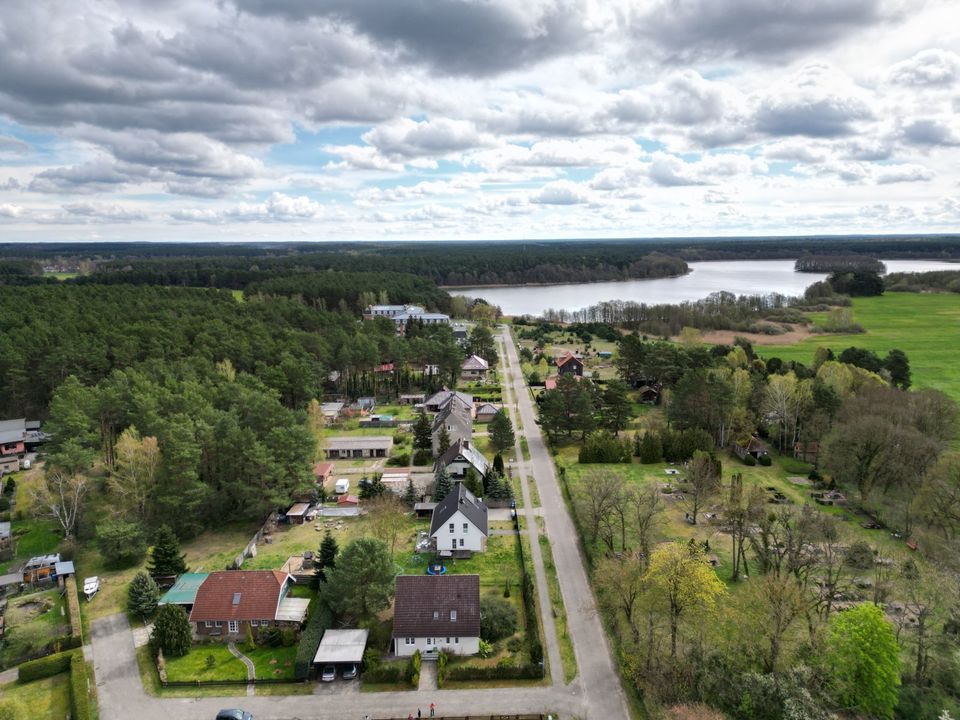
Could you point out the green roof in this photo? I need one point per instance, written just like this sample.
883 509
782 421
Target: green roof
184 591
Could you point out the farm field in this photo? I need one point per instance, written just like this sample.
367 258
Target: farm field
926 326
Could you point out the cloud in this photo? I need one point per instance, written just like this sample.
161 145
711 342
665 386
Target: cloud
816 102
91 213
410 138
927 67
458 37
277 208
689 30
13 146
671 171
932 131
360 157
794 150
93 176
559 192
9 210
906 172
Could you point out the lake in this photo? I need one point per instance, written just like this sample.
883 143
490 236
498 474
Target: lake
740 277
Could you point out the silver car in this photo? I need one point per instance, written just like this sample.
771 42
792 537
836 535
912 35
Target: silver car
329 673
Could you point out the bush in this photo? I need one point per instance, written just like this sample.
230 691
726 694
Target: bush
171 631
860 555
749 460
498 619
4 503
766 461
486 649
603 447
422 457
287 637
79 701
44 667
386 674
321 619
399 460
371 659
498 672
121 543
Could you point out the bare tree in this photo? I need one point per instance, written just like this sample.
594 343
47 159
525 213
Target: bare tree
703 476
61 495
594 498
740 513
646 507
387 519
619 585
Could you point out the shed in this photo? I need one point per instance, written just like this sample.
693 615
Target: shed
424 509
184 590
298 512
348 500
64 568
322 471
341 647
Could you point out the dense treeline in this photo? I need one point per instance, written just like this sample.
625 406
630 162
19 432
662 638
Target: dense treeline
354 291
719 311
937 281
838 263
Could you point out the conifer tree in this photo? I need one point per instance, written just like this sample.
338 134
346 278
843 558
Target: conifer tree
421 432
166 558
443 441
443 485
410 494
142 595
171 631
327 556
501 431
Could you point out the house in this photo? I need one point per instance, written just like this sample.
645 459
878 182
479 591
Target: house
412 399
570 364
362 406
9 464
484 412
41 568
372 446
459 524
13 436
403 315
437 612
297 513
322 472
230 601
439 400
749 447
474 368
458 422
462 456
331 410
649 394
807 451
341 648
348 501
184 591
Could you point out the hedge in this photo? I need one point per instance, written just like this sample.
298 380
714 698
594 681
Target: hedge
508 672
386 674
73 608
79 688
321 619
44 667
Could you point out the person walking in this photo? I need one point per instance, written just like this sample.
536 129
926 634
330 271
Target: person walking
419 714
433 709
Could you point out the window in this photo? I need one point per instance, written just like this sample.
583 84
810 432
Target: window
411 641
264 623
218 623
453 616
451 527
461 542
233 626
456 641
436 614
254 623
207 623
448 641
466 527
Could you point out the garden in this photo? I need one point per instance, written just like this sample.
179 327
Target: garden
32 623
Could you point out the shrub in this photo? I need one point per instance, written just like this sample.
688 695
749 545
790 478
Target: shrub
749 460
486 649
860 555
248 643
422 457
498 672
44 667
386 674
121 543
766 461
287 637
514 644
498 619
399 460
371 659
79 701
171 631
603 447
4 503
321 619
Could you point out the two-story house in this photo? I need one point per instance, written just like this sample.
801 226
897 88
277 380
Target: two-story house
474 368
436 613
457 419
462 456
459 525
570 364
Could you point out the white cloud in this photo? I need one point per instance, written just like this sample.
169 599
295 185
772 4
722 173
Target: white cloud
927 67
560 192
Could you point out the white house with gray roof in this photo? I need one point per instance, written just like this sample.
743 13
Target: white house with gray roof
459 525
462 456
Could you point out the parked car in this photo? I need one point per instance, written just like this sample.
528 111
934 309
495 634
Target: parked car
349 672
234 714
328 674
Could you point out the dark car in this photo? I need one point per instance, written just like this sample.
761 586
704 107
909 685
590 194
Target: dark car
234 714
349 672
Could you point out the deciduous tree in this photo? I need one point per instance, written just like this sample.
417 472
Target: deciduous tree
361 583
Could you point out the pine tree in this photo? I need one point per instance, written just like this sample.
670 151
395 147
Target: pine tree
472 482
443 441
371 488
498 463
166 558
421 432
651 448
443 485
327 556
171 631
142 595
501 431
410 494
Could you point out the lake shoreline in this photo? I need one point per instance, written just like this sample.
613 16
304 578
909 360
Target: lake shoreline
453 288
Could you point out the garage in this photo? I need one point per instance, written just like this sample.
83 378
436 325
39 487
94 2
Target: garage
339 654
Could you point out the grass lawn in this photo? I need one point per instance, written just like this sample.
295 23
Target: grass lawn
42 699
197 665
567 656
926 326
61 275
274 663
32 621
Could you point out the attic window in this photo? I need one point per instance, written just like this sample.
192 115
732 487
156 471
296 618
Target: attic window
236 599
436 614
453 616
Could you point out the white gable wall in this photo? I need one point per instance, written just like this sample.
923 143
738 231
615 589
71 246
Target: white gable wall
470 539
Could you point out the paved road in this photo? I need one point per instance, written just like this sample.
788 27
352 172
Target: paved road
604 697
121 695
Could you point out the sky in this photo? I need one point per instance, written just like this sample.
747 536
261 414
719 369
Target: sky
476 119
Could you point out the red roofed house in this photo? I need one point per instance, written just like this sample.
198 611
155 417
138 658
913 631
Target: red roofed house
322 472
570 364
229 601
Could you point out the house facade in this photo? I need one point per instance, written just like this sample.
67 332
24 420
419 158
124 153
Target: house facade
460 457
474 368
439 400
458 421
229 602
342 448
403 315
570 364
437 613
484 412
459 524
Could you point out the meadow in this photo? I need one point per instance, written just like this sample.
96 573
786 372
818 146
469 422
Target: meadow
926 326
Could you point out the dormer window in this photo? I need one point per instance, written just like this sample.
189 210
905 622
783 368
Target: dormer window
436 614
453 616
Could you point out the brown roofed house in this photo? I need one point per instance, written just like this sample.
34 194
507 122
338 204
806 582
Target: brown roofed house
229 601
570 364
437 612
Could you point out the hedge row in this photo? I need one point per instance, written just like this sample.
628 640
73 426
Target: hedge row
527 593
321 619
79 688
507 672
73 608
44 667
386 674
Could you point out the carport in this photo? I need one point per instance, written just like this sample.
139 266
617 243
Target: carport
341 648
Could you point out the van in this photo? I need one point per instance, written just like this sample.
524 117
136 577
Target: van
342 486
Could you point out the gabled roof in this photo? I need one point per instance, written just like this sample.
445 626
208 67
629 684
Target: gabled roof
462 500
488 408
475 362
184 590
423 604
567 357
12 436
359 442
239 595
462 414
443 397
322 469
463 448
17 424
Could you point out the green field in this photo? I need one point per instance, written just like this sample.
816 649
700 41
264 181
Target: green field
925 326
